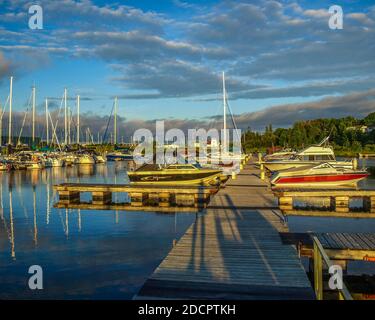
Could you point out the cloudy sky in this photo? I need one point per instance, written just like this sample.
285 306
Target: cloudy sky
164 58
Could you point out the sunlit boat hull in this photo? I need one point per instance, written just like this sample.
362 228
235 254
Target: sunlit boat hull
333 179
119 157
285 165
87 160
204 177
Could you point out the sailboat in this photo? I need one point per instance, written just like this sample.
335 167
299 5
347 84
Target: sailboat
224 158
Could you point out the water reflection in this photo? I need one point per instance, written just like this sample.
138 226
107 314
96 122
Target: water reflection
84 254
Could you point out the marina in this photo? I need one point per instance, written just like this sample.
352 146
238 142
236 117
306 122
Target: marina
239 230
181 150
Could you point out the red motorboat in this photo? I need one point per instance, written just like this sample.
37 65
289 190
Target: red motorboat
317 176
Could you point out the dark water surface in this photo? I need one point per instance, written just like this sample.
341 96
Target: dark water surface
84 254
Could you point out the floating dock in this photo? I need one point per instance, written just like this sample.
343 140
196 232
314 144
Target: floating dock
338 203
141 198
233 251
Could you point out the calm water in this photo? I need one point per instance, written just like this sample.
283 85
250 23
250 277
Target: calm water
84 254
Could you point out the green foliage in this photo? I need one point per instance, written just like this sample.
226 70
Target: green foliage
345 135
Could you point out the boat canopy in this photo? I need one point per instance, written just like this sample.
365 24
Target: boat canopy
316 153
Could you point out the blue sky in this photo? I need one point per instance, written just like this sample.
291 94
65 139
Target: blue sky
164 58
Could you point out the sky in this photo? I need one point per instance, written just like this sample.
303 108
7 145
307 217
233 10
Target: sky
164 59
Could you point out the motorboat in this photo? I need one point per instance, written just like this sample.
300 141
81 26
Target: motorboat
56 162
100 159
312 155
4 166
174 174
280 155
321 175
119 156
70 159
85 159
34 165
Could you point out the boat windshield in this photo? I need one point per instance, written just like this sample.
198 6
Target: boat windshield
181 167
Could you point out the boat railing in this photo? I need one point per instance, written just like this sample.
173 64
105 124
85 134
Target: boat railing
320 259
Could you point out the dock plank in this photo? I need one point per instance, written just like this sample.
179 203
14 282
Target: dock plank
233 251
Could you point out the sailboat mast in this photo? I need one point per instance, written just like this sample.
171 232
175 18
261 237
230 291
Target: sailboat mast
65 119
225 114
78 98
33 116
10 111
1 125
47 129
69 120
115 124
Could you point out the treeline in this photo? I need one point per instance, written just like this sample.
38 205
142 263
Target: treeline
347 135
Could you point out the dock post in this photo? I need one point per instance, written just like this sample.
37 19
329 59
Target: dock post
185 200
101 197
234 175
164 199
68 197
262 173
341 203
137 199
259 157
286 203
369 204
318 273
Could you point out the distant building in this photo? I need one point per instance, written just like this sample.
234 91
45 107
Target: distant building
363 129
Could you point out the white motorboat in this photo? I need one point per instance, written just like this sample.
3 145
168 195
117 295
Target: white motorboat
315 176
312 155
85 159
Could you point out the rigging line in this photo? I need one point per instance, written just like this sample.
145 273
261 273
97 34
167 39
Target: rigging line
54 132
24 120
58 115
5 106
109 119
234 122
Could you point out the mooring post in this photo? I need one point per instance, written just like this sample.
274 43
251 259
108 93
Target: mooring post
100 197
137 198
341 203
285 203
262 172
369 204
318 273
69 196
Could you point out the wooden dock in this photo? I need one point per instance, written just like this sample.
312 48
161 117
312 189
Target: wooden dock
141 198
233 251
337 246
338 202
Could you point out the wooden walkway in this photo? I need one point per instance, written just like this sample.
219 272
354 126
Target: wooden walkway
233 251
